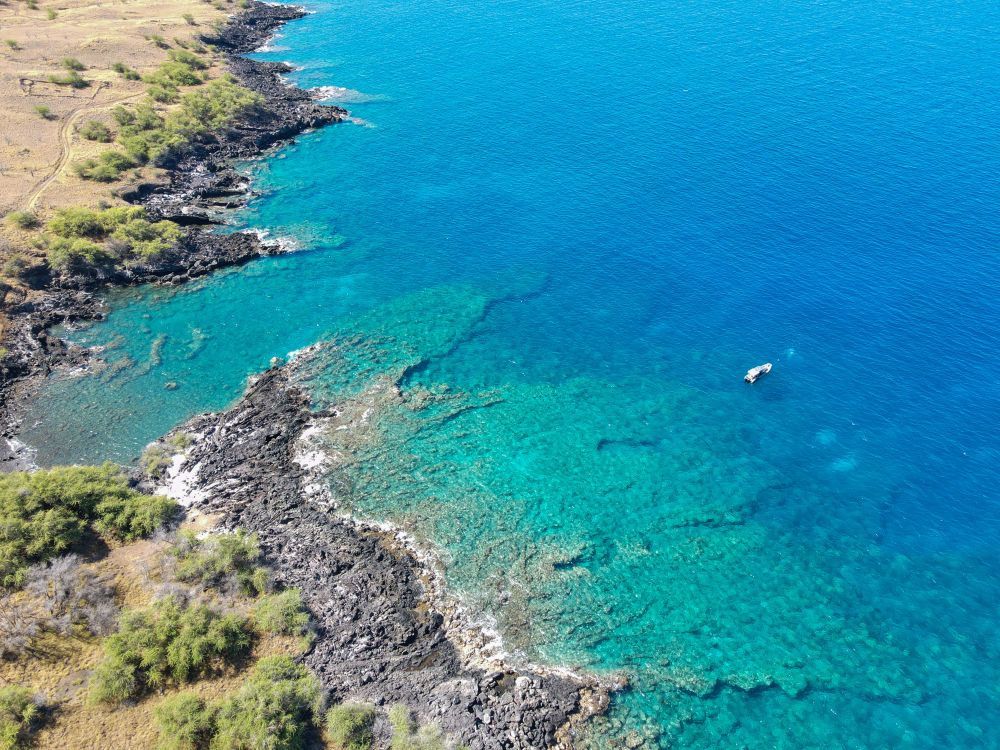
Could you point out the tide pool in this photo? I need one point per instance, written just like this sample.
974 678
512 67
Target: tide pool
564 231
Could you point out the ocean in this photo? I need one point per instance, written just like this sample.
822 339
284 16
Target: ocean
566 230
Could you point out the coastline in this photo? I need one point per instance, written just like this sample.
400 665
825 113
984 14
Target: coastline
390 631
202 185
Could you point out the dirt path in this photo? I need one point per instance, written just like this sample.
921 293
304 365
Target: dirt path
66 144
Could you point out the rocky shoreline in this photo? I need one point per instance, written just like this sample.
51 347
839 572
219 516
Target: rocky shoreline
202 184
388 633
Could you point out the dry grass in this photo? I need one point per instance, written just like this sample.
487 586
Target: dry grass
36 153
61 668
33 149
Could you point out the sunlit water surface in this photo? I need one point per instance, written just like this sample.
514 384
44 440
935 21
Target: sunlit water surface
566 229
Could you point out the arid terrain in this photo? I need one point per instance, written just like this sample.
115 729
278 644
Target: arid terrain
36 149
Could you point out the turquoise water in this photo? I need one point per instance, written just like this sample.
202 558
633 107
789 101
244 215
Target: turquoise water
563 232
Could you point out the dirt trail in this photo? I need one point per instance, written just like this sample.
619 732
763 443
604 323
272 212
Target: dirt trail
66 144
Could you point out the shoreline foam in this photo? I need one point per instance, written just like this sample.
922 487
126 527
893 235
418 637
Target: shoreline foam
258 466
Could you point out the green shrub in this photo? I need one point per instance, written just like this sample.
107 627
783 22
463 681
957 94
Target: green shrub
77 222
274 710
129 519
93 130
174 74
168 643
12 44
221 561
144 239
155 459
19 711
212 107
180 70
184 722
72 78
107 167
71 63
77 256
128 231
44 112
189 19
158 40
282 614
44 513
163 94
149 137
51 14
158 456
188 59
129 74
23 219
349 726
114 681
406 735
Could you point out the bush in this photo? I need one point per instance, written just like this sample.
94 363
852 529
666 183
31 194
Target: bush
107 167
44 513
114 682
349 726
173 74
282 614
12 44
23 219
188 59
185 723
163 94
77 256
51 14
221 561
274 710
129 74
69 595
155 460
180 70
20 623
19 712
72 223
44 112
72 79
406 735
93 130
16 266
158 456
129 519
127 230
189 19
158 40
170 642
148 137
71 63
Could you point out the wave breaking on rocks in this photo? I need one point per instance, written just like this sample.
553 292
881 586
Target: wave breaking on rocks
389 632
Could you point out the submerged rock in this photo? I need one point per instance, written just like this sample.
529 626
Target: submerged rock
381 639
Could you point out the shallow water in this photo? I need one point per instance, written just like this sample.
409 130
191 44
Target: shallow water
587 221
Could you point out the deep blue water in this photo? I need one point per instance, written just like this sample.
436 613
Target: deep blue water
685 190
